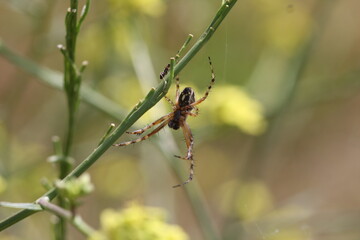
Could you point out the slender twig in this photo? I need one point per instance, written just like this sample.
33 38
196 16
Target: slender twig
72 79
154 95
187 41
111 127
72 82
75 220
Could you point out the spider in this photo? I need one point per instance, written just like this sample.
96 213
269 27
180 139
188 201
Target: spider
183 107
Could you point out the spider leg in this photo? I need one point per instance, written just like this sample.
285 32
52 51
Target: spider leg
195 113
209 88
177 88
144 137
141 130
170 101
189 139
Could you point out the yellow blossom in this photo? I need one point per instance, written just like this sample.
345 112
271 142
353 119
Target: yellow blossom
233 106
152 8
137 223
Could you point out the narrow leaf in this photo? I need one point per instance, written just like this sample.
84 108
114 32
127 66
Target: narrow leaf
29 206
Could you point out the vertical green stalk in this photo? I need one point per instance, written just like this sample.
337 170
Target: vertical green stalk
72 82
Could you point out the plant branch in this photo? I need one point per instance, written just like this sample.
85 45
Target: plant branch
142 107
72 83
75 220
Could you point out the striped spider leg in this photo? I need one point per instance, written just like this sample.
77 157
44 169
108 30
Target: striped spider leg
165 120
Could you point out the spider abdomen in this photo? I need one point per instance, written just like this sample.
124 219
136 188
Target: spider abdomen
174 123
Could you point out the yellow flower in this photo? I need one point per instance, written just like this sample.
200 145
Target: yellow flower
253 200
152 8
285 30
137 223
233 106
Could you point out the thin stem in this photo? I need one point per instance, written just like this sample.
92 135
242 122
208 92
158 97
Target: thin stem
83 15
219 17
154 95
71 76
72 81
187 41
75 220
111 127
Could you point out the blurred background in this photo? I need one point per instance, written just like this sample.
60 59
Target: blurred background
276 143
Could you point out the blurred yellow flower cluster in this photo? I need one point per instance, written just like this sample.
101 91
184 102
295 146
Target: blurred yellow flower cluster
134 7
137 223
254 200
232 105
250 200
286 25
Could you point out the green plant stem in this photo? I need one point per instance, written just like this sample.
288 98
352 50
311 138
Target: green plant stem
72 82
187 41
111 127
150 100
71 79
75 220
219 17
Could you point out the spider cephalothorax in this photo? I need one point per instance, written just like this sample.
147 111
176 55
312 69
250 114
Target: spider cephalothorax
184 105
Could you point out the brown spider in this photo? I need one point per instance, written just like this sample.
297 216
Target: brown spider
182 108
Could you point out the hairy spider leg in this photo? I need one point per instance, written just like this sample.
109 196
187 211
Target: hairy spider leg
170 101
141 130
209 87
194 114
189 139
177 88
144 137
177 94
